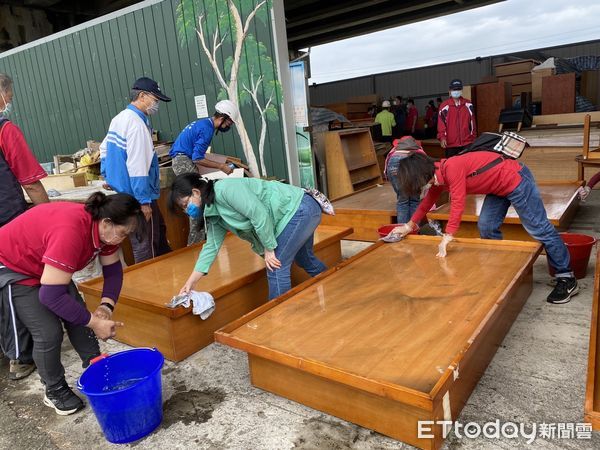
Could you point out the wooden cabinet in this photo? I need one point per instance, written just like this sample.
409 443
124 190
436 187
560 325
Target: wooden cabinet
351 162
558 94
490 99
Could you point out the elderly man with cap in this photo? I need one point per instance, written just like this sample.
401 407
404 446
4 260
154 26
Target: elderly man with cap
190 147
130 165
456 121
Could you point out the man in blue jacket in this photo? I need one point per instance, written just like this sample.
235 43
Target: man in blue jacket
130 165
191 145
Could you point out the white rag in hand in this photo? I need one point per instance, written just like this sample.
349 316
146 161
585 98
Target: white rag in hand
203 304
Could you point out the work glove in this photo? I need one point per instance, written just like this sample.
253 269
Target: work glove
402 230
446 239
584 192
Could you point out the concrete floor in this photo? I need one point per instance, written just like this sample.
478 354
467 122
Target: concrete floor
538 375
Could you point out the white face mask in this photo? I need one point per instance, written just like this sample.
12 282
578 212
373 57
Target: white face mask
152 109
455 94
7 107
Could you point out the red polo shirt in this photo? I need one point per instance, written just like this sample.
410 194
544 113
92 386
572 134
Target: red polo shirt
18 155
61 234
453 175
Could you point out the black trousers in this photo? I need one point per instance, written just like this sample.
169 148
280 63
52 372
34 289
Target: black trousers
154 242
46 330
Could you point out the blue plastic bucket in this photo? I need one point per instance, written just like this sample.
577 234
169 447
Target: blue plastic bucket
125 392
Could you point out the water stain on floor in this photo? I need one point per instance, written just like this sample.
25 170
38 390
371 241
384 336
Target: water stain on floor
326 434
192 406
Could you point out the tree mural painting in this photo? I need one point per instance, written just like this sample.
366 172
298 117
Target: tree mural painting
247 74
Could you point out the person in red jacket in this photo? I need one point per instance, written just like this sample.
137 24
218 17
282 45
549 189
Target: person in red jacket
456 127
505 182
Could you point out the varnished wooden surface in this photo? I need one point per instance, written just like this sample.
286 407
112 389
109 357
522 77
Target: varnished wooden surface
238 282
552 163
152 284
375 200
365 211
413 331
388 328
592 392
559 200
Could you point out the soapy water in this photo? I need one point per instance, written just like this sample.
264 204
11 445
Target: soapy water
124 384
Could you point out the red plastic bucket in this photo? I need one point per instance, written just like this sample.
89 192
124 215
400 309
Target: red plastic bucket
384 230
580 249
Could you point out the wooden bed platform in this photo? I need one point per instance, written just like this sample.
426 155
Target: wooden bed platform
560 199
391 336
366 211
237 280
592 391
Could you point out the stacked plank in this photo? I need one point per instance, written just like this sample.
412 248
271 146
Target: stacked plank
518 73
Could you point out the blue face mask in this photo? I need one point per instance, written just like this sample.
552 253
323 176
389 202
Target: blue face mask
193 210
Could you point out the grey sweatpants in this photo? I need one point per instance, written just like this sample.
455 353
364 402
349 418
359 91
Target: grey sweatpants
46 329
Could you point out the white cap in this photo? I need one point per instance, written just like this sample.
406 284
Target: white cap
229 108
385 104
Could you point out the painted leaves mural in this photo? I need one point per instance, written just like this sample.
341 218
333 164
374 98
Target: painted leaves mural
246 73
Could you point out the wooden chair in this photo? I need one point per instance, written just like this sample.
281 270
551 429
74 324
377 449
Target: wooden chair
589 157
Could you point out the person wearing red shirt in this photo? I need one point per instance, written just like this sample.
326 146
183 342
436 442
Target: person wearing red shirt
18 170
412 114
39 252
430 119
456 127
505 182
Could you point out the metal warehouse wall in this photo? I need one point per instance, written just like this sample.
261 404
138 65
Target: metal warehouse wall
68 86
425 83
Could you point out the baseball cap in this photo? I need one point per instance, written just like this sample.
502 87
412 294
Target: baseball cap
455 85
149 85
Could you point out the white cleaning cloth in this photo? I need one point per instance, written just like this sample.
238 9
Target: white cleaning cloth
203 304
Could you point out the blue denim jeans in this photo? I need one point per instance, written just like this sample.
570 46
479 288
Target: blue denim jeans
405 206
295 243
528 204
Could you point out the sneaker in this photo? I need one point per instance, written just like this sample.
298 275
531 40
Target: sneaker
63 400
564 289
18 370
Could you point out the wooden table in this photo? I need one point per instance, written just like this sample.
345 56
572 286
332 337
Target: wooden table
560 199
237 280
391 336
366 211
592 391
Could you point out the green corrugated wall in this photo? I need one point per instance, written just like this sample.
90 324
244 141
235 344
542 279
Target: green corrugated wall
67 89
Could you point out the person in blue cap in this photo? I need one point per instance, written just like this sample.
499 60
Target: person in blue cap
129 164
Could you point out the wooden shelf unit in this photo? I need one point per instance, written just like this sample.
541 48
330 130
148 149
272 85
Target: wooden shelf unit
351 162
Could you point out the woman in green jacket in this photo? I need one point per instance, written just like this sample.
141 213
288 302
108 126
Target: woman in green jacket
279 221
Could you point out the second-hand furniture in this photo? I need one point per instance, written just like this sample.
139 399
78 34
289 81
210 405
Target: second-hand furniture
351 162
392 336
560 199
237 281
